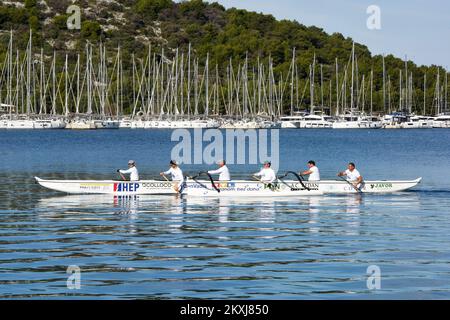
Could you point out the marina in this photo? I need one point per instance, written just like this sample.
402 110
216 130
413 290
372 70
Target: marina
174 90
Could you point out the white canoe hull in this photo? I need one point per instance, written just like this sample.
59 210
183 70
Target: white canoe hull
343 187
245 189
108 186
227 189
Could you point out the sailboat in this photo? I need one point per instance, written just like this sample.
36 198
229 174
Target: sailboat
442 120
353 118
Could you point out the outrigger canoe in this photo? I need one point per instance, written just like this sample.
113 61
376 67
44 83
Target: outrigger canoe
239 188
190 188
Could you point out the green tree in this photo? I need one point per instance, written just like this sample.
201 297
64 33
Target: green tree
151 8
91 30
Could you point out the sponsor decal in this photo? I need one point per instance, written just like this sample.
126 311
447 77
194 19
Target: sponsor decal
126 187
225 185
94 186
154 185
381 185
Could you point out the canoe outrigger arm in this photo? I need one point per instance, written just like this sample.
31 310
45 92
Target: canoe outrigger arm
210 179
299 178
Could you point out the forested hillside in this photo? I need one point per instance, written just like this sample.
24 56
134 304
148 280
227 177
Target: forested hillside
210 29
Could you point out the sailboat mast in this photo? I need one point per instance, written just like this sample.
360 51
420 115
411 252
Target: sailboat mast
384 85
353 76
292 81
321 85
337 87
425 94
312 82
66 93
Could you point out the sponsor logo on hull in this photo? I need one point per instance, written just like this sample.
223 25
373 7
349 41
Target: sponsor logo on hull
126 187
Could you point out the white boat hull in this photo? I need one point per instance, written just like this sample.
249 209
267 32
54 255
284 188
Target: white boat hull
227 189
17 124
343 187
108 186
356 125
245 189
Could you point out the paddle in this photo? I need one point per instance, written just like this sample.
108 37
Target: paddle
357 190
175 185
123 177
259 180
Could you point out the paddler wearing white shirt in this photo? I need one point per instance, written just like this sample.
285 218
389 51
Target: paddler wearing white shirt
313 172
174 171
176 175
132 171
267 174
353 176
223 172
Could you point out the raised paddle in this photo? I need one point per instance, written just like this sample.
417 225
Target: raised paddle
123 177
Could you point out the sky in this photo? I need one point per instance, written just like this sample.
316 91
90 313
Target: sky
418 29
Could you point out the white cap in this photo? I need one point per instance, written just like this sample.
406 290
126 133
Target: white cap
131 162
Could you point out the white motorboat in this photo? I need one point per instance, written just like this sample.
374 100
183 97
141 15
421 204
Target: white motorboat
181 124
293 121
442 121
16 124
81 124
316 121
49 124
394 120
418 122
107 124
357 121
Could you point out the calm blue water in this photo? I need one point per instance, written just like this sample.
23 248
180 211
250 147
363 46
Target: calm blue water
167 247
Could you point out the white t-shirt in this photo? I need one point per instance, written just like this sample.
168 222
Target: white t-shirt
133 172
176 174
315 175
267 175
223 172
352 176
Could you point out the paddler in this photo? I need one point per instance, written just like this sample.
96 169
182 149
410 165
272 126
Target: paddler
353 176
313 172
223 172
267 174
132 171
175 173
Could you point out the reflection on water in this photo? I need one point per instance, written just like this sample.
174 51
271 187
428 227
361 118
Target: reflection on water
177 247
